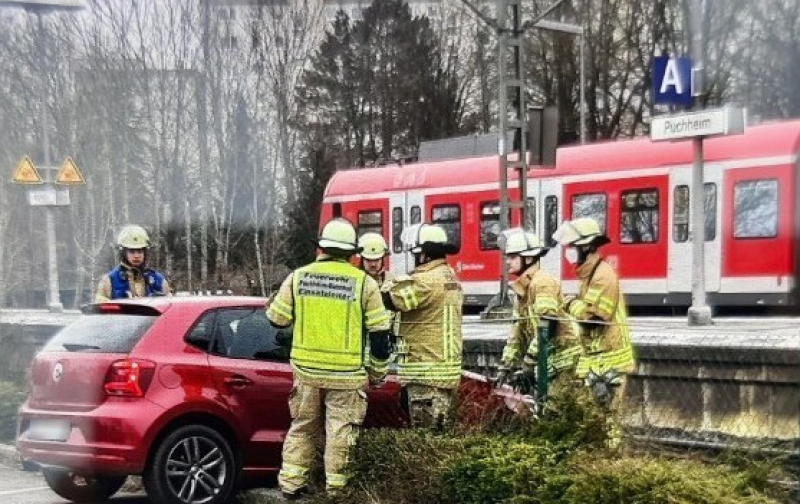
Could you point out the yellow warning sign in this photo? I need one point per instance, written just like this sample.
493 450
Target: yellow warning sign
26 173
69 173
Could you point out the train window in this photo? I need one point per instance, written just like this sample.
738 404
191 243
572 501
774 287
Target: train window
449 217
710 204
550 219
490 225
370 221
681 211
594 205
639 216
530 215
680 214
755 209
416 215
337 210
397 229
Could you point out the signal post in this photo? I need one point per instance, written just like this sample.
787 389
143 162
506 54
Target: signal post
49 193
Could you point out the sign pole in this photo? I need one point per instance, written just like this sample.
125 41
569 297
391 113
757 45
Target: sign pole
53 290
699 313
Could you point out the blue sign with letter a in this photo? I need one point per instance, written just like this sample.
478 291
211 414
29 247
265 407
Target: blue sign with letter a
672 81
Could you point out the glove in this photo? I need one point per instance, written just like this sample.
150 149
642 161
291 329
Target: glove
501 378
603 386
526 380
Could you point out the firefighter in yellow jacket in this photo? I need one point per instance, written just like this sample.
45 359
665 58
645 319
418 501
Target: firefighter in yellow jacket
332 305
538 294
601 312
429 302
373 251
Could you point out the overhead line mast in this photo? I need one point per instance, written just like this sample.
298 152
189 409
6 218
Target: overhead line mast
510 29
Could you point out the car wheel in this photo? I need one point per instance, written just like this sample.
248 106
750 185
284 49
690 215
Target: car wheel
79 488
192 465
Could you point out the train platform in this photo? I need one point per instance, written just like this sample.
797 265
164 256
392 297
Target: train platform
731 332
781 333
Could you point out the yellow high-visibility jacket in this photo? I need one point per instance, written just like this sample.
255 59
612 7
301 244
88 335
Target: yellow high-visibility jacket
331 304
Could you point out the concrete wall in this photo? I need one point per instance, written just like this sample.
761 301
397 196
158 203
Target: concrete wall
709 394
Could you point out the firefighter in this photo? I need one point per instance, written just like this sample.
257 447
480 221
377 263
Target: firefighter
429 302
602 315
132 278
538 294
332 305
373 250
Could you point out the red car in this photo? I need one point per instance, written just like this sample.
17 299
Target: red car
190 393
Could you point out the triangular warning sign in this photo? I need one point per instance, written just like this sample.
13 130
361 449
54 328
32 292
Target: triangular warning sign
69 173
26 173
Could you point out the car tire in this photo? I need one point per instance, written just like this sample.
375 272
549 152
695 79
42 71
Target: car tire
78 488
193 464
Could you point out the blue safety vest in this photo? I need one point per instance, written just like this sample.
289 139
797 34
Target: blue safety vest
121 288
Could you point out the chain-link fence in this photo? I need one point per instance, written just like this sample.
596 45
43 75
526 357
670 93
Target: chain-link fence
730 387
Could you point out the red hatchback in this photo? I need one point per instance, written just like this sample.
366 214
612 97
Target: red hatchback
190 393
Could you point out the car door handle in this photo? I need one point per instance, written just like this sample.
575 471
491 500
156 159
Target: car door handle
237 381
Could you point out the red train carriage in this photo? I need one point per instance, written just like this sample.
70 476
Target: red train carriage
638 191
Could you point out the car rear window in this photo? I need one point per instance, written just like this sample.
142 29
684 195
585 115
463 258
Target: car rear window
106 333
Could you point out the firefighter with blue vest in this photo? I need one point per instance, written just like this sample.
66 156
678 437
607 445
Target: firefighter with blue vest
538 294
429 302
338 314
132 278
600 310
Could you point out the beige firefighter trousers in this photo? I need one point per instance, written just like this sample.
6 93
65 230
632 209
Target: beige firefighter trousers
341 412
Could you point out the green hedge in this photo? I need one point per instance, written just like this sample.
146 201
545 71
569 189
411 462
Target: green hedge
11 397
559 458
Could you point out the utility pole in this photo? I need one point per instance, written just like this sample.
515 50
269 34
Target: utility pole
40 8
511 106
510 29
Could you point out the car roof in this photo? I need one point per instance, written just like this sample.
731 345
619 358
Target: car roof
162 303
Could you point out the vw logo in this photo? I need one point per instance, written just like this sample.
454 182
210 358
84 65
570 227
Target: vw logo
58 372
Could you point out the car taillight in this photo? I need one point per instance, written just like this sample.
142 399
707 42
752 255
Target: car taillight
129 377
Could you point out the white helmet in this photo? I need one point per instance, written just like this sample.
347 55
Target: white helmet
518 241
581 231
338 234
133 237
373 246
421 237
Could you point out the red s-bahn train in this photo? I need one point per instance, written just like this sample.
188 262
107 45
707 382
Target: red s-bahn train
638 191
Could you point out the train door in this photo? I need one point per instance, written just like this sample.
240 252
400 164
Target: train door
679 271
548 217
406 209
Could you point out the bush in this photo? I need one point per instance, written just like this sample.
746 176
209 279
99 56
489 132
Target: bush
558 458
11 397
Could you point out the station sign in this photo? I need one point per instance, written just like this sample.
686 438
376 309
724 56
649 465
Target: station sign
703 123
672 81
